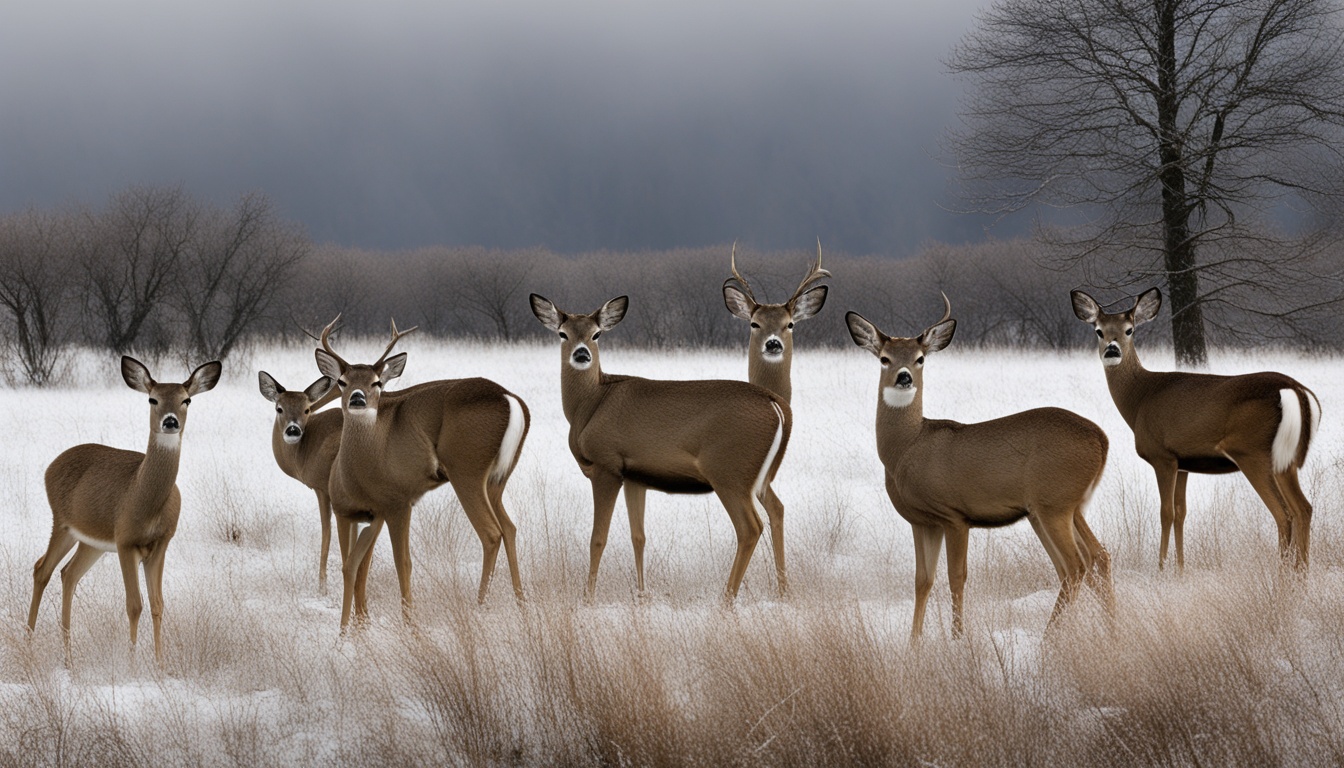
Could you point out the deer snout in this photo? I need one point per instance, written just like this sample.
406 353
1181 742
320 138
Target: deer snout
1111 355
773 346
170 423
358 400
293 433
581 357
904 379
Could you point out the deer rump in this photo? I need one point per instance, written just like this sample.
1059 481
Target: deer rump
643 431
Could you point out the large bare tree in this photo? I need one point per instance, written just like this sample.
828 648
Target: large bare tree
1175 126
36 291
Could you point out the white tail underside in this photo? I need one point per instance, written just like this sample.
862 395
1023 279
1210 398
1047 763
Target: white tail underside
513 437
1286 439
758 490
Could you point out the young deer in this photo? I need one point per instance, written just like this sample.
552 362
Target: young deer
769 360
1197 422
725 437
945 478
304 444
393 449
111 500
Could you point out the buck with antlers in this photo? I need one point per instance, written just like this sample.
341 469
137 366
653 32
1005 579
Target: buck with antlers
945 478
394 449
725 437
769 362
110 500
1260 424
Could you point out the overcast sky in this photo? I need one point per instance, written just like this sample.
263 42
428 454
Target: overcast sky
573 125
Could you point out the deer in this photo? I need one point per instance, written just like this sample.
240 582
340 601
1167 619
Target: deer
395 448
769 361
106 499
944 477
692 437
1259 424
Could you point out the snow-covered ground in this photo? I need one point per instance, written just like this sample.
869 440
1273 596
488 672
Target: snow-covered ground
255 670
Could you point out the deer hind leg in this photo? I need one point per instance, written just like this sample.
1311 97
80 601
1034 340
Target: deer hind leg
1058 528
1300 509
154 585
774 508
605 490
928 547
130 558
60 544
1259 471
510 532
634 508
324 512
1166 489
84 558
471 492
361 551
741 507
1178 518
958 539
1098 565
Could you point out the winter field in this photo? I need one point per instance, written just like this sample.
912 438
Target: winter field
1230 663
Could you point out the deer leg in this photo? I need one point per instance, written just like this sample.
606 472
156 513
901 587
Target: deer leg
61 543
775 509
510 532
130 560
482 518
1178 518
399 532
1049 547
605 490
324 512
928 547
1059 529
1260 472
153 566
1098 573
748 525
360 550
634 508
1166 489
1291 491
85 557
958 539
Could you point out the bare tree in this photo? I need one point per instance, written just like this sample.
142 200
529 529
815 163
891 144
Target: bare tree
130 254
236 265
1171 123
35 291
493 286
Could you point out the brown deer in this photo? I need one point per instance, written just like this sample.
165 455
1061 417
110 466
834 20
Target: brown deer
1260 424
724 437
769 361
393 449
107 499
945 477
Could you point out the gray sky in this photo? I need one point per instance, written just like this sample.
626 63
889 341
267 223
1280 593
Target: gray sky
576 125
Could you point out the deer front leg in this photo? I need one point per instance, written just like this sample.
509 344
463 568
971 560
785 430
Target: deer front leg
154 585
928 546
324 512
359 550
130 560
958 539
606 488
1166 472
399 531
634 508
1178 519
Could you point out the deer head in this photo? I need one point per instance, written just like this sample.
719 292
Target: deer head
361 385
168 402
293 408
772 324
579 333
902 359
1115 332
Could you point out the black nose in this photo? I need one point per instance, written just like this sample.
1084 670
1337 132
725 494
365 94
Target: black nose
1112 351
582 355
357 400
293 431
170 422
774 347
903 379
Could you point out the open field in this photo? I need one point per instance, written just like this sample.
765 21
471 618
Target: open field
1229 663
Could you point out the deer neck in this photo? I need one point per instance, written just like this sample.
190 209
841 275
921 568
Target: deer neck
1129 383
772 376
897 427
580 391
158 471
363 437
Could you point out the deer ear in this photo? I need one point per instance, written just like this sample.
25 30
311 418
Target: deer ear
327 364
318 389
204 378
546 312
612 312
738 303
136 375
809 304
937 337
393 367
270 388
864 333
1085 307
1146 306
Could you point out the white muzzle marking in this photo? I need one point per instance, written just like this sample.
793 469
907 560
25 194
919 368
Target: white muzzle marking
899 397
575 364
292 439
1109 360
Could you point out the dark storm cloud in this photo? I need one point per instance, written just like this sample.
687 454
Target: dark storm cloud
572 125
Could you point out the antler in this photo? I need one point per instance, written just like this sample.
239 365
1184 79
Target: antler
737 276
947 311
326 345
396 335
814 273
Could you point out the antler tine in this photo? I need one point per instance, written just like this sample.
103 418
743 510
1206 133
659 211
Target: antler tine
741 281
309 333
947 309
326 343
396 335
814 273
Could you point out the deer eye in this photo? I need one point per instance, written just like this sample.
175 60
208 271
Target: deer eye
341 383
596 334
755 325
920 360
1099 334
278 409
378 384
886 361
1129 331
564 336
306 410
790 325
152 401
187 401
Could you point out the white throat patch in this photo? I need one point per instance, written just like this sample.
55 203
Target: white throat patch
170 440
896 397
